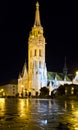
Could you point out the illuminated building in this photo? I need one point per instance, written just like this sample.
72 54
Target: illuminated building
36 75
9 89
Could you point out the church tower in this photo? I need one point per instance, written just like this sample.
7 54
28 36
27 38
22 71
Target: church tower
37 72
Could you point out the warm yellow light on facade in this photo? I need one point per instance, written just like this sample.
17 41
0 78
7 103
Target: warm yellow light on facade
22 86
76 73
2 106
72 88
1 90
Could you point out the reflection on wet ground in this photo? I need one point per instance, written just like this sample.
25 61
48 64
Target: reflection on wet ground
38 114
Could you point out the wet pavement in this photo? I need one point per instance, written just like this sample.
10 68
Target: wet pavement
38 114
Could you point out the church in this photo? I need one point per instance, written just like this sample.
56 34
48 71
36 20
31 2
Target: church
36 76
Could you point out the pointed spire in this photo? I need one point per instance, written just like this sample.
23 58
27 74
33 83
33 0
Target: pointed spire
24 71
37 16
19 77
65 67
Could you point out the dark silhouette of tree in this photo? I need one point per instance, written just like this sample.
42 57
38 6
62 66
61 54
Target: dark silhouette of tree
61 90
44 91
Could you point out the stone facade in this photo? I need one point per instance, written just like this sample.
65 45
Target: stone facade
35 77
9 89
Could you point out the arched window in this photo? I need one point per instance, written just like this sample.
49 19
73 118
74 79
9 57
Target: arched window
35 52
39 52
39 64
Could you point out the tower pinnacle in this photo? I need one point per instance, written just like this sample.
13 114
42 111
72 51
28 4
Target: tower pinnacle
65 67
37 16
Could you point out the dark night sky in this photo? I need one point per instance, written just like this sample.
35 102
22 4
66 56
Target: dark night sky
59 23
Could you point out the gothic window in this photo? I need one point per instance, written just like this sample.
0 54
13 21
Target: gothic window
39 52
35 52
39 64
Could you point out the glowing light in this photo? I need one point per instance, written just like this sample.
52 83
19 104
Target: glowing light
22 86
1 90
72 90
76 73
2 106
44 122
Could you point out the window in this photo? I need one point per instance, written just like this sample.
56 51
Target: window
72 90
39 64
39 52
35 52
13 90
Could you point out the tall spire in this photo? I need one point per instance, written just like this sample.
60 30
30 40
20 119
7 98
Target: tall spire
37 16
65 67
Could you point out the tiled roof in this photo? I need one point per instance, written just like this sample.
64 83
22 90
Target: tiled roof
59 76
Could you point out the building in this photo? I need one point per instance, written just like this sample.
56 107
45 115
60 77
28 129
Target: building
9 89
32 79
36 76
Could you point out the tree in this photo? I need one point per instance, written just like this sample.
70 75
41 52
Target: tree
44 91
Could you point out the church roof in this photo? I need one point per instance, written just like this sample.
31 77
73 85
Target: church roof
50 75
58 76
